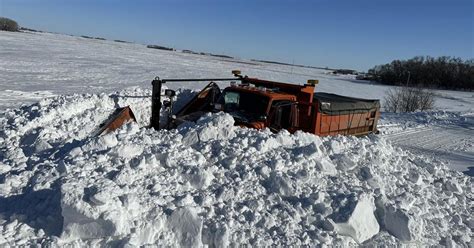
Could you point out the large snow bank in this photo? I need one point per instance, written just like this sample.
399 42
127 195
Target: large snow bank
211 183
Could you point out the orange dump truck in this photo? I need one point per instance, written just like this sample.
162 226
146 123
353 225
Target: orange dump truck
257 103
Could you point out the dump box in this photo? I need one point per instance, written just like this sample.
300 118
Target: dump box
336 114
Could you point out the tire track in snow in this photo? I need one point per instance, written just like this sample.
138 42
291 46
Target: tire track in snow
406 132
447 143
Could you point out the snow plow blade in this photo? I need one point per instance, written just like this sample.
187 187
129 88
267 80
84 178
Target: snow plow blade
118 118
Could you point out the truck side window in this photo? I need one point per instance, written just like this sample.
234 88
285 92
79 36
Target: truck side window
282 115
231 100
244 102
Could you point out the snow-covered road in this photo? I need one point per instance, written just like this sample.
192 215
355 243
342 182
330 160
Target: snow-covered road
446 136
453 144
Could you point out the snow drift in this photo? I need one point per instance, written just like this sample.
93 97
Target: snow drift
211 183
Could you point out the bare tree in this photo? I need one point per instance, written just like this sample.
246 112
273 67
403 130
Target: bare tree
408 99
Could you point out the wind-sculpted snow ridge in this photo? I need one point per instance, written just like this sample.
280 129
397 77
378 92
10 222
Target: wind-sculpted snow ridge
212 183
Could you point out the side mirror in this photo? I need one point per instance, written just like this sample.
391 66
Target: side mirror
170 93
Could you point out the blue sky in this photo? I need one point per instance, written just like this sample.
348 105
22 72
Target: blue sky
335 33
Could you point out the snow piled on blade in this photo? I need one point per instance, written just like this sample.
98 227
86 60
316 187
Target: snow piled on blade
212 183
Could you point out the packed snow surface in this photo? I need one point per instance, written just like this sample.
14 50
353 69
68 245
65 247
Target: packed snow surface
211 183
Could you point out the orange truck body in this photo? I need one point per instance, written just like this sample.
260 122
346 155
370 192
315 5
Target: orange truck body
291 107
259 104
306 115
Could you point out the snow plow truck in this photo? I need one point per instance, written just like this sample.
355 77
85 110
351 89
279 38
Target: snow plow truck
257 103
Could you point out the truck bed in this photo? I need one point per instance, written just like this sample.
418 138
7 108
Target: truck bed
336 114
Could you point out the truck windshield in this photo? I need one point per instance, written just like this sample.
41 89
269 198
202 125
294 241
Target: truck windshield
245 103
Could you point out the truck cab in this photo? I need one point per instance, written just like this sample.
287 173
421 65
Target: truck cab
258 107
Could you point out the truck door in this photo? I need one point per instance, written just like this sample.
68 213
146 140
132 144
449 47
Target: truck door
281 115
306 116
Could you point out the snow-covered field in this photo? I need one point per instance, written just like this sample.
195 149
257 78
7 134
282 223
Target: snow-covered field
211 183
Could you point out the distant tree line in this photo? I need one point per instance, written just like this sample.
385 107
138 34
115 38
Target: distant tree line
8 24
442 72
161 47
